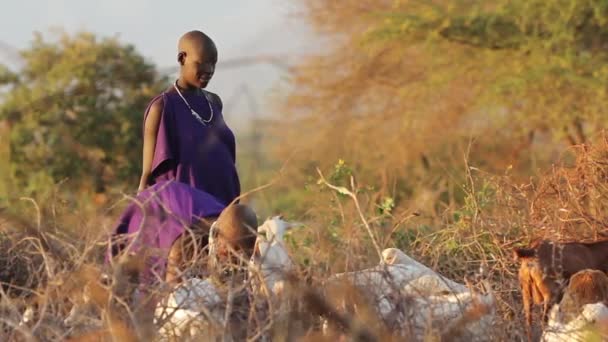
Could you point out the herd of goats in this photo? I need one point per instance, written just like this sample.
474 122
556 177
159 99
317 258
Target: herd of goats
567 279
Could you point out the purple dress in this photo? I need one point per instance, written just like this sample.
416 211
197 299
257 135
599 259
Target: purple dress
194 154
159 215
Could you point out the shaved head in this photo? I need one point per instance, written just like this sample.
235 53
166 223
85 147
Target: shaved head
238 224
196 42
197 56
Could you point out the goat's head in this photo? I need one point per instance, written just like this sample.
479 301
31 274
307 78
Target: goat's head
523 253
274 228
585 287
394 256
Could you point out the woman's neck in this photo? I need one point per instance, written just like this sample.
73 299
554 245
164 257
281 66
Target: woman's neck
185 87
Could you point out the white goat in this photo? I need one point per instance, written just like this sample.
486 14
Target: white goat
591 324
189 309
182 313
415 298
270 256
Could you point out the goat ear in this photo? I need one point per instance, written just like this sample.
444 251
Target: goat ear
520 253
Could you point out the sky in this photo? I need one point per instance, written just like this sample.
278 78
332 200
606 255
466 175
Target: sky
240 28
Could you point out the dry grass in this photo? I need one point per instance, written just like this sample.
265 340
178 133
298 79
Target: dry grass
49 270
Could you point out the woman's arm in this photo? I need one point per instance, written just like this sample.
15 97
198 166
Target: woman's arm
151 126
217 100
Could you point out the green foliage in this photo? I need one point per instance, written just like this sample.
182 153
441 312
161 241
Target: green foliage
475 201
404 88
74 112
387 205
341 172
6 76
545 61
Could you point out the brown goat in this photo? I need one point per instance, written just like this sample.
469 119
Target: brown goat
547 266
535 289
585 287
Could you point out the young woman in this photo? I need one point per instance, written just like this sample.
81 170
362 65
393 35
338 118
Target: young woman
185 136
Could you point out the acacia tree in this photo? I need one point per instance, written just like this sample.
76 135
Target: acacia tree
74 111
546 61
395 85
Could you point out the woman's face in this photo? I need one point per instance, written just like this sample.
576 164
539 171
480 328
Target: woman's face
231 252
199 67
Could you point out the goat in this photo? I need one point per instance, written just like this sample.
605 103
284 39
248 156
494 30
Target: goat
582 312
406 294
546 267
270 258
196 306
585 287
535 287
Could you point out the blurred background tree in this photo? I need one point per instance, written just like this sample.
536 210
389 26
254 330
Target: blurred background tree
407 90
74 112
403 91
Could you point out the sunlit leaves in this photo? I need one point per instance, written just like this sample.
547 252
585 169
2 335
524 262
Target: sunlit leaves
75 111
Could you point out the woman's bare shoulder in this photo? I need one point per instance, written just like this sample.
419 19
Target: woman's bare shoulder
154 114
215 98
